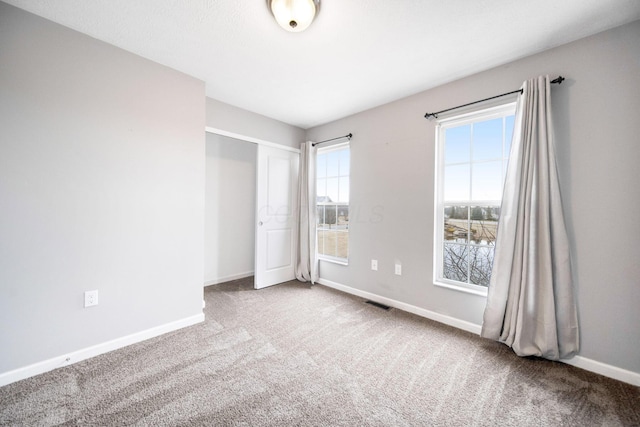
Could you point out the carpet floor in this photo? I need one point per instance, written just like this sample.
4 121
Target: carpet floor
297 355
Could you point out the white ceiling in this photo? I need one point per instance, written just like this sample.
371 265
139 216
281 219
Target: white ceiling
356 55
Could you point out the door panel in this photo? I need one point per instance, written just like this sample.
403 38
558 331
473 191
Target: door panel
276 238
278 248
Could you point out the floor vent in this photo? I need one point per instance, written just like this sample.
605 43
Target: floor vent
377 304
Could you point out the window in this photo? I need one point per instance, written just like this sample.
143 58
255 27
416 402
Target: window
332 190
472 155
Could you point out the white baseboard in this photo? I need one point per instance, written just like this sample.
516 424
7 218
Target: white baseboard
219 280
603 369
86 353
600 368
447 320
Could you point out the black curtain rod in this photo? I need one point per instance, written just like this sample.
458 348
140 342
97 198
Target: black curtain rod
348 136
558 80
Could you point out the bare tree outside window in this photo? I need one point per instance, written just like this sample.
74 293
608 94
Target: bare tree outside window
469 238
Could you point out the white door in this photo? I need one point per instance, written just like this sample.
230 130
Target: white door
276 238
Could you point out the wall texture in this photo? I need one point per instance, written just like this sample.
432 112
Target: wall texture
101 187
596 109
230 206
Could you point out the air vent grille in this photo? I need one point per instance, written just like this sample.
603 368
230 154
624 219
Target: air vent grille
377 304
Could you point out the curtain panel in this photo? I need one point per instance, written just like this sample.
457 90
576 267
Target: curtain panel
306 258
530 303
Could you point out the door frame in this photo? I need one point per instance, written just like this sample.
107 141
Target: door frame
241 137
253 140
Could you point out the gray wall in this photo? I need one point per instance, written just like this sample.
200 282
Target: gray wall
242 122
597 139
230 205
101 187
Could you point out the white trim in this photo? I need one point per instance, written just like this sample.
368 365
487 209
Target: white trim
228 278
441 318
469 288
338 261
96 350
484 113
581 362
604 369
334 147
249 139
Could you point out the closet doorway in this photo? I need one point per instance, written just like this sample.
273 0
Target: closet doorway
250 199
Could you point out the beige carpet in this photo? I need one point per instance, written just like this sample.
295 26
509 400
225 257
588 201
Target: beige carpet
295 355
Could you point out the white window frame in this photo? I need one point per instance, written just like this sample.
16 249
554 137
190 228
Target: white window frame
444 124
329 258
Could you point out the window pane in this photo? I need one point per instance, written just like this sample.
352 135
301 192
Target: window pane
321 189
333 162
320 218
322 237
455 262
328 238
344 190
342 244
320 241
472 179
480 263
487 140
456 224
487 181
344 162
509 121
332 189
343 218
457 144
456 182
321 165
331 215
484 224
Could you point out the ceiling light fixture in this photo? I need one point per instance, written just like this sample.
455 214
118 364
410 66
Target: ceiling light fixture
294 15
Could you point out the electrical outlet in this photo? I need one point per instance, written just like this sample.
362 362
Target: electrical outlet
90 298
374 264
398 269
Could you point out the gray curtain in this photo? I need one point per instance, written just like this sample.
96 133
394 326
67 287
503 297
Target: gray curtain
307 260
530 304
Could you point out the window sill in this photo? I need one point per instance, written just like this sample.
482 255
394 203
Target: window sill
334 260
480 291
